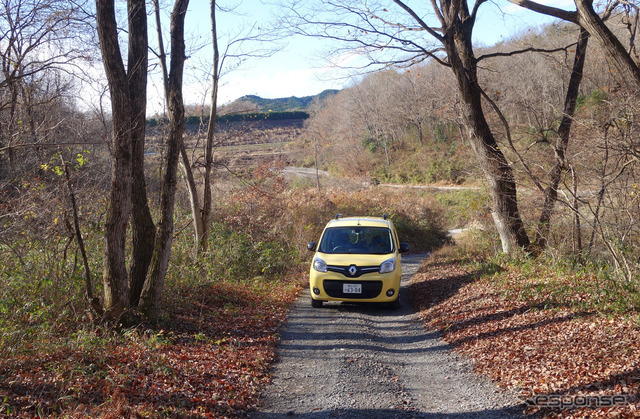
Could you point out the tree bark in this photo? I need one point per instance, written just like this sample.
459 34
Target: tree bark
152 292
76 227
590 21
142 226
455 34
587 18
555 175
192 188
208 153
498 172
11 129
194 197
115 278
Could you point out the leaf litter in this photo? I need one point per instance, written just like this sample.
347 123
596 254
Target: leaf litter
563 361
211 359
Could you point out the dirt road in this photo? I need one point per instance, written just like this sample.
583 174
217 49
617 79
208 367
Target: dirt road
355 361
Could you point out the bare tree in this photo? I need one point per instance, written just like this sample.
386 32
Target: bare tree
399 33
563 134
335 126
415 103
370 101
115 277
586 17
244 44
39 45
203 236
128 196
142 226
317 136
153 288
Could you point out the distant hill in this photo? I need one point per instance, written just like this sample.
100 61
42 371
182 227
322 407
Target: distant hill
253 108
252 103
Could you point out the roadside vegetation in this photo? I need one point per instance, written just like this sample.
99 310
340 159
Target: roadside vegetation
209 353
562 336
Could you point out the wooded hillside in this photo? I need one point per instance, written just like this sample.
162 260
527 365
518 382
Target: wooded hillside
404 126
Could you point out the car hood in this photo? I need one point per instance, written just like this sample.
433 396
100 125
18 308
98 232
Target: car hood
334 259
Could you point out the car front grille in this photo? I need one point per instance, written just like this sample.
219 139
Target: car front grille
358 271
370 289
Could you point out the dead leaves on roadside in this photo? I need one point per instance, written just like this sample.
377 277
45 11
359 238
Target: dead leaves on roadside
556 355
210 360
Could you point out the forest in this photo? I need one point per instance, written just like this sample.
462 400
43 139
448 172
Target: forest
146 262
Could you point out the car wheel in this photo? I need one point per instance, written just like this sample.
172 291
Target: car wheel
316 303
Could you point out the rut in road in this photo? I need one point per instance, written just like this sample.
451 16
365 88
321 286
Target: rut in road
355 361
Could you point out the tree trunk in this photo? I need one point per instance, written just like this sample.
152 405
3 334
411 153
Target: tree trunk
11 128
115 278
576 211
194 197
555 175
420 132
315 162
385 144
153 288
498 172
589 20
142 226
192 188
208 154
76 227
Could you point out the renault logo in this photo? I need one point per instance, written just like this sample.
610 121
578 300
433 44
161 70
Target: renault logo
352 270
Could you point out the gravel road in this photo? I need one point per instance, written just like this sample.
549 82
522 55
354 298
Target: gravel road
355 361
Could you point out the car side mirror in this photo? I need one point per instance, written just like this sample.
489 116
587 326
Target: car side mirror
311 246
404 247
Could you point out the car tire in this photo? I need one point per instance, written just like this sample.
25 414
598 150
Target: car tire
316 303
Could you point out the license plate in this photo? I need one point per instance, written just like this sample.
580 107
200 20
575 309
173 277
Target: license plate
352 288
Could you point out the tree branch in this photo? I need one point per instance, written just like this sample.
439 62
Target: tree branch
533 177
548 10
524 51
421 22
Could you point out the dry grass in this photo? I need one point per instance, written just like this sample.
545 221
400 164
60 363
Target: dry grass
210 354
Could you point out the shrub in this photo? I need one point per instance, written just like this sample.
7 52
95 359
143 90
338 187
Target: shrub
461 207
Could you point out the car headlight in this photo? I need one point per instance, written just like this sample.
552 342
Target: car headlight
319 265
387 266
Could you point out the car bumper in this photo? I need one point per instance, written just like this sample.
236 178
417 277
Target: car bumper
374 287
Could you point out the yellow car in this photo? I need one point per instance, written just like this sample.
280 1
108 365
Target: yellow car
357 259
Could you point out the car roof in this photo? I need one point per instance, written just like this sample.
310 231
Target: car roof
360 221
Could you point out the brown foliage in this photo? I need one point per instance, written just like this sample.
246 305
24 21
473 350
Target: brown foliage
522 345
210 360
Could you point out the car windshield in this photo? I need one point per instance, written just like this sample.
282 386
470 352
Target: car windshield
360 240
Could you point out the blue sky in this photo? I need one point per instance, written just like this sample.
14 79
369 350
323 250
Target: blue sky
299 68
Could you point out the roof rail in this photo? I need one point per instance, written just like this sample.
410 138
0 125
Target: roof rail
384 216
